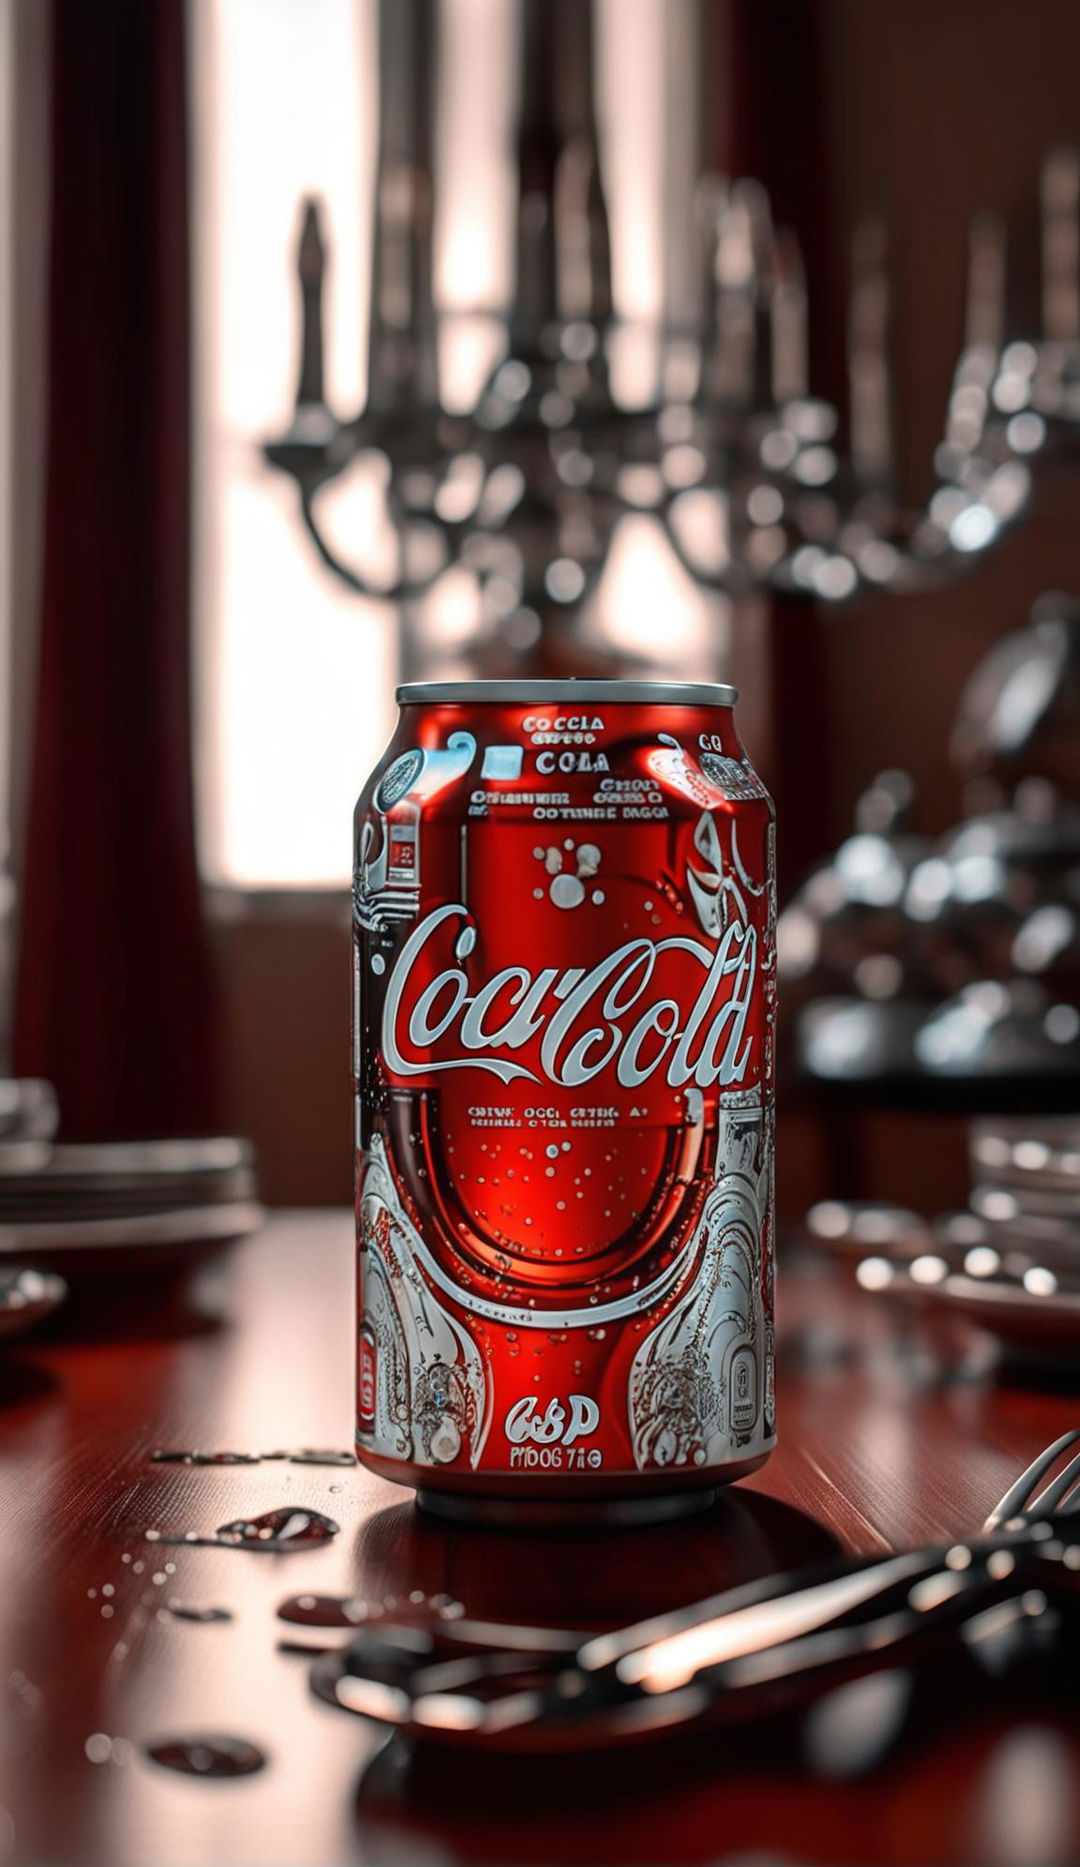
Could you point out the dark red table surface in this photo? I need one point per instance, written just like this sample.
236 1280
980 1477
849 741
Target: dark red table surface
878 1451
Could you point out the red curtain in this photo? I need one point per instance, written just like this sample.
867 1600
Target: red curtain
114 1000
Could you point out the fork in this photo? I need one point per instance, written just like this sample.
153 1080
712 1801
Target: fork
490 1679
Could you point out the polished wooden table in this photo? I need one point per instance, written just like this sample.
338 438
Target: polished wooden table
878 1449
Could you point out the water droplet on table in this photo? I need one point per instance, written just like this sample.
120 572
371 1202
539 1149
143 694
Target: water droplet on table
191 1611
208 1756
164 1457
318 1455
282 1530
277 1532
300 1455
323 1610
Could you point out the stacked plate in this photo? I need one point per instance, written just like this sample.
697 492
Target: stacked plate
123 1206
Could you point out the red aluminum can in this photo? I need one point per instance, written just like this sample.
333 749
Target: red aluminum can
564 1034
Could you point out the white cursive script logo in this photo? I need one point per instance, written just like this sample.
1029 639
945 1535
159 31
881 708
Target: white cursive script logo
613 1016
557 1425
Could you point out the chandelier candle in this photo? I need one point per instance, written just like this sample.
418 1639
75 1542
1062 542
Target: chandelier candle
564 1028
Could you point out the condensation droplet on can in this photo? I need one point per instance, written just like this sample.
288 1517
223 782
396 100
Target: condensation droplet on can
567 891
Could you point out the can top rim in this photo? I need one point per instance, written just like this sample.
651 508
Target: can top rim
658 693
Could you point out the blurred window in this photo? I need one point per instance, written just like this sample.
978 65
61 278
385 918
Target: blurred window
294 675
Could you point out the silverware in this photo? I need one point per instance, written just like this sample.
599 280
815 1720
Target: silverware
468 1679
1024 1504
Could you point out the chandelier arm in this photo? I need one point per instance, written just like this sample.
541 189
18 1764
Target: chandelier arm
722 583
403 589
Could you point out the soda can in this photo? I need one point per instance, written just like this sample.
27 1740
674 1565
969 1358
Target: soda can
563 1055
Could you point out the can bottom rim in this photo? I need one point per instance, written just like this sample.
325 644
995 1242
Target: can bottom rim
566 1512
